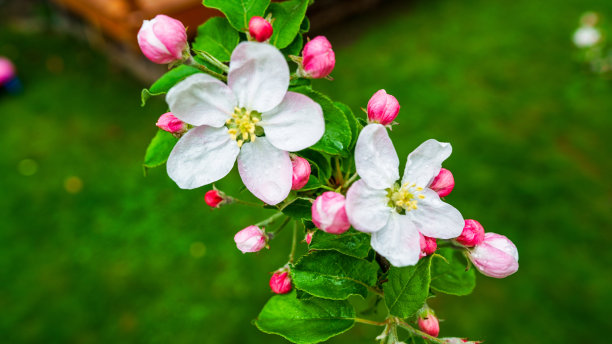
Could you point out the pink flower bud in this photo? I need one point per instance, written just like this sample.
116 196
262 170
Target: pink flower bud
428 245
260 29
280 282
444 183
215 198
250 239
162 39
473 234
383 108
495 257
171 124
329 214
429 324
308 237
318 58
301 172
7 70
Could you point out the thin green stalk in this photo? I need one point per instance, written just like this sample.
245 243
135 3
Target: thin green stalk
212 60
416 332
239 201
350 180
280 228
293 242
370 322
269 220
191 62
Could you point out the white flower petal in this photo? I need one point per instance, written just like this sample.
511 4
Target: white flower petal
375 157
424 163
201 99
265 170
398 241
366 207
295 124
436 219
202 156
258 75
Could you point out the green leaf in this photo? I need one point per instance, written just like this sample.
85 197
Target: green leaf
299 209
333 275
305 26
352 243
166 81
217 37
294 49
312 184
305 321
320 162
288 17
449 276
337 136
159 149
407 288
352 120
239 12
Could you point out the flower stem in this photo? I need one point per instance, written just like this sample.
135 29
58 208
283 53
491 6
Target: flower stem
416 332
193 63
280 228
350 181
269 219
293 242
212 60
239 201
370 322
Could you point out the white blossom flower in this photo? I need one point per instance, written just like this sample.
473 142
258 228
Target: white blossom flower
395 212
252 119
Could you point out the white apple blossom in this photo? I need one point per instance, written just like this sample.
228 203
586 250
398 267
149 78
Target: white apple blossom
252 119
393 211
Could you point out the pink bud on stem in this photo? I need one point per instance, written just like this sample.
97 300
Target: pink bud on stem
472 235
444 183
168 122
280 282
215 198
383 108
495 257
308 237
318 58
260 28
301 172
428 322
428 245
163 39
329 214
7 70
251 239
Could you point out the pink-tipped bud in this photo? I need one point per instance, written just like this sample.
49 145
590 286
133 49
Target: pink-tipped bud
444 183
308 237
383 108
428 322
162 39
7 70
495 257
171 124
301 172
260 29
428 245
250 239
215 198
329 214
318 58
473 234
280 282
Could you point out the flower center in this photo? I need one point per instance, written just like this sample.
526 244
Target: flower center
242 127
404 198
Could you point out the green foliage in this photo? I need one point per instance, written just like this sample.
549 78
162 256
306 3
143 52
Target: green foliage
337 136
449 275
217 37
352 120
165 83
239 12
407 288
320 162
299 209
294 48
333 275
159 149
288 17
305 321
312 184
352 242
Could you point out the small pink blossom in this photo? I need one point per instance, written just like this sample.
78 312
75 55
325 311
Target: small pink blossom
308 237
214 198
171 124
473 234
260 29
280 282
7 70
428 245
301 172
250 239
495 257
444 183
428 323
318 58
383 108
162 39
329 214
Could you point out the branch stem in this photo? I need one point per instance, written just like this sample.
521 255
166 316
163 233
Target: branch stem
269 219
416 332
370 322
293 242
193 63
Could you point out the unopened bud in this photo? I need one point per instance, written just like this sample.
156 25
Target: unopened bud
473 234
215 198
171 124
382 108
318 58
428 245
428 322
444 183
495 257
163 39
260 29
329 214
7 70
250 239
301 172
280 282
308 237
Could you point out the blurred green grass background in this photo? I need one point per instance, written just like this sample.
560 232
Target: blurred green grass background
113 257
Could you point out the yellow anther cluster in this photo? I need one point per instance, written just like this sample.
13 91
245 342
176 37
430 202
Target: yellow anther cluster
406 197
242 126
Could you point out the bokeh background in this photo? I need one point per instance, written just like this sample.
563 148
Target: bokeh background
91 251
